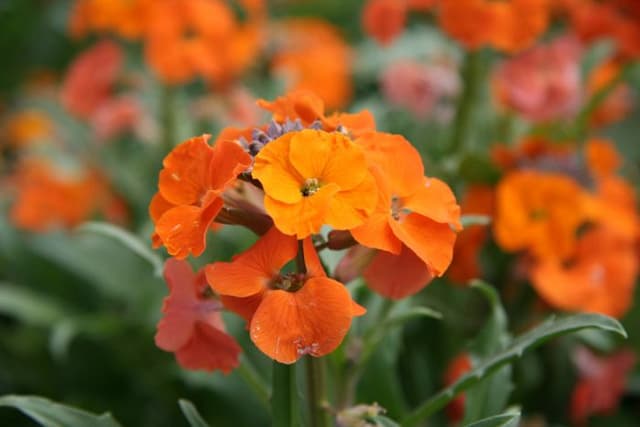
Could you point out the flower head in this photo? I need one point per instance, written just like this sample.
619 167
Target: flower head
191 184
412 210
508 25
542 83
599 277
540 212
292 314
313 177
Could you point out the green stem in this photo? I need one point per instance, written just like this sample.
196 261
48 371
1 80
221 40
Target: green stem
471 79
168 118
248 373
284 400
316 396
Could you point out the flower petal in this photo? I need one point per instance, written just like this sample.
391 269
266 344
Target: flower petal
397 159
209 349
304 218
183 229
431 241
397 276
227 162
250 272
435 200
185 175
281 181
313 320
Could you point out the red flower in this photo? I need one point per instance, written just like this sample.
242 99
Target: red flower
601 383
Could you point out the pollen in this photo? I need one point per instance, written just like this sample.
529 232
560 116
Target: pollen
311 186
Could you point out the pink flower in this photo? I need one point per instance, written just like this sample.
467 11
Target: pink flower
423 89
115 116
543 83
192 326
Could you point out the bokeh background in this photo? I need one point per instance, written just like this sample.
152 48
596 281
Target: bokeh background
89 108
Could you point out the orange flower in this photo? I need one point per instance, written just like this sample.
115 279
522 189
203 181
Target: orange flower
47 198
384 20
312 55
27 127
191 38
465 266
190 185
412 209
192 326
126 18
509 25
600 277
540 212
311 178
295 313
91 79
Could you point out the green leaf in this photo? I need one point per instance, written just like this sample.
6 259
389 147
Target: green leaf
409 313
469 220
52 414
551 328
510 419
382 421
191 414
28 306
490 395
128 239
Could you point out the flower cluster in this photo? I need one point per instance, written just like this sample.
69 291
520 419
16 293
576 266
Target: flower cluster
304 182
575 218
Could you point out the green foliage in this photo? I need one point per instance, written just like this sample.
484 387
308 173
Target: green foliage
51 414
550 328
191 414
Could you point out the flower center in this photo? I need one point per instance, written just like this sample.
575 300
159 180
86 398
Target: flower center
311 186
289 282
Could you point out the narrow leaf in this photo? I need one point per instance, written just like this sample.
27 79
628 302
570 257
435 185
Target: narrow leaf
191 414
489 396
128 239
52 414
28 306
502 420
382 421
551 328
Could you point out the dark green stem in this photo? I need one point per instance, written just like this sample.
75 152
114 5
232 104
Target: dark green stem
472 71
319 415
284 400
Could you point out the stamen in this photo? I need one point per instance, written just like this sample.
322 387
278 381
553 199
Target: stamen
311 186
